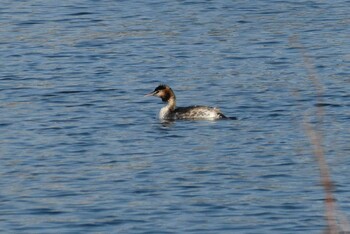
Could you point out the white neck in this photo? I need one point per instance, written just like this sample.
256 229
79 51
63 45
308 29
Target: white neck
165 112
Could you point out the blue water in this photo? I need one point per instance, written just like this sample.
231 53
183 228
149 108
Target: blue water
82 150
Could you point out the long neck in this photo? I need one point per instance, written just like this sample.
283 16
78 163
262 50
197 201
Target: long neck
167 111
170 98
171 103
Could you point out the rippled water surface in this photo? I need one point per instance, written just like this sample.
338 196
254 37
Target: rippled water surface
82 150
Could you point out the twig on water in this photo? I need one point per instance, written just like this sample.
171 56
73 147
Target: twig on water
315 136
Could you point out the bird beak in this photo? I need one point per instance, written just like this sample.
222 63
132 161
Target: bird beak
150 94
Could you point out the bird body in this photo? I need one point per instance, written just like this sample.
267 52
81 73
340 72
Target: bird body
171 112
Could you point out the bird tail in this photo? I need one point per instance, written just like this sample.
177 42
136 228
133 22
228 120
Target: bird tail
222 116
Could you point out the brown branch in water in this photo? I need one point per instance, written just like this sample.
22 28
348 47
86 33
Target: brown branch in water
316 139
330 210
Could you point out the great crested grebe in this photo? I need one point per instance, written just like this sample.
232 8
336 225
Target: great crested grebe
171 112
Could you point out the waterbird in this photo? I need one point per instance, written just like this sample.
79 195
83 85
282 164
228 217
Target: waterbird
171 112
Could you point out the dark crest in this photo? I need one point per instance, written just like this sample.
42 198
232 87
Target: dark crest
166 95
160 87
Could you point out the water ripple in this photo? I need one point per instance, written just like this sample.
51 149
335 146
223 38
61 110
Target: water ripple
83 151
